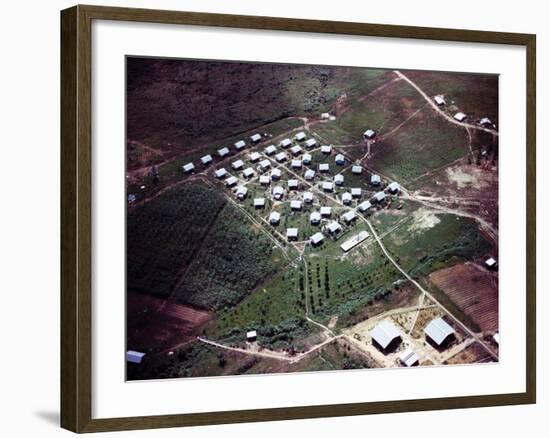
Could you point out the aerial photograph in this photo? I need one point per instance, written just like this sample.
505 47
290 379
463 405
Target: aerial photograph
285 218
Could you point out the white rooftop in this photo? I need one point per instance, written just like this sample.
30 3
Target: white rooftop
317 238
281 156
248 172
274 217
240 144
242 191
264 164
292 183
334 226
311 142
265 179
220 173
369 133
223 151
251 334
292 232
364 206
295 205
310 174
408 357
188 167
255 137
315 217
325 211
328 186
438 330
276 173
232 180
346 197
384 333
375 179
206 159
326 149
287 142
255 156
439 99
278 190
259 202
380 196
296 163
354 241
460 116
237 164
356 192
134 356
339 159
306 158
349 216
300 136
308 196
339 179
296 149
394 187
356 169
270 150
323 167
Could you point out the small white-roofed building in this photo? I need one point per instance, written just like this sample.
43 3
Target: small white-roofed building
287 142
339 179
311 142
292 184
326 211
307 197
339 159
265 164
349 217
439 332
296 150
357 170
375 180
317 238
300 136
255 138
292 233
251 336
439 99
276 174
274 218
346 198
231 181
259 202
334 227
270 150
281 156
248 172
278 192
134 356
326 149
254 156
364 206
241 192
491 263
356 192
188 168
265 180
223 152
309 175
325 116
460 116
296 205
409 358
315 217
239 164
220 173
296 164
306 158
394 188
206 160
368 134
485 121
240 145
324 167
385 336
328 186
379 196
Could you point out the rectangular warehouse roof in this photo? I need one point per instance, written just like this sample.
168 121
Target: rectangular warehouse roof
354 241
438 330
385 333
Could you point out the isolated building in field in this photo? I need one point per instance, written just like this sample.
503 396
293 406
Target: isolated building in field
240 145
439 99
369 134
296 150
409 358
326 211
239 164
276 174
334 227
349 217
364 206
306 158
323 167
278 192
394 188
264 165
311 142
287 142
339 159
295 205
241 192
354 241
385 336
292 184
328 186
251 336
231 181
134 356
379 196
220 173
248 172
274 218
296 164
317 238
307 197
223 152
491 263
188 168
439 333
346 198
254 156
357 170
375 180
325 116
339 179
486 121
206 160
265 180
281 156
460 116
326 149
270 150
309 175
259 202
255 138
356 192
315 218
292 233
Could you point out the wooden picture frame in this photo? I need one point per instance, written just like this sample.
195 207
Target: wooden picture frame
76 217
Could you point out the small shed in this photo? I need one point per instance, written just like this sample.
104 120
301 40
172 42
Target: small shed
460 116
369 134
274 217
340 159
240 145
134 356
292 184
296 150
206 160
248 172
346 198
356 192
439 99
409 358
326 149
315 218
239 164
491 263
375 180
306 158
357 170
259 202
251 336
339 179
220 173
328 186
309 175
311 142
323 167
326 211
254 156
317 238
385 336
300 136
188 168
292 233
223 152
287 142
486 121
255 138
325 116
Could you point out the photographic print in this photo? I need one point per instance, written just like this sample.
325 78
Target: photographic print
288 218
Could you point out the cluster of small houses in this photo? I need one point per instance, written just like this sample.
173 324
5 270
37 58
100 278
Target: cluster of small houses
460 116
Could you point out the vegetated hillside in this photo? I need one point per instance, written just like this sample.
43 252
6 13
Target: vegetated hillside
174 104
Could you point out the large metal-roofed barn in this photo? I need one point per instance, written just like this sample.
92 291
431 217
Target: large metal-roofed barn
439 331
385 336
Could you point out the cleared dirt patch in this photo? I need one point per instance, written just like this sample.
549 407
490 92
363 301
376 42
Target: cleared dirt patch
473 290
474 353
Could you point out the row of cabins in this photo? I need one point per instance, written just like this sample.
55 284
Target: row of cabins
460 116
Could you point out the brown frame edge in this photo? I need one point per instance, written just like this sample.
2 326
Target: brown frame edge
76 305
